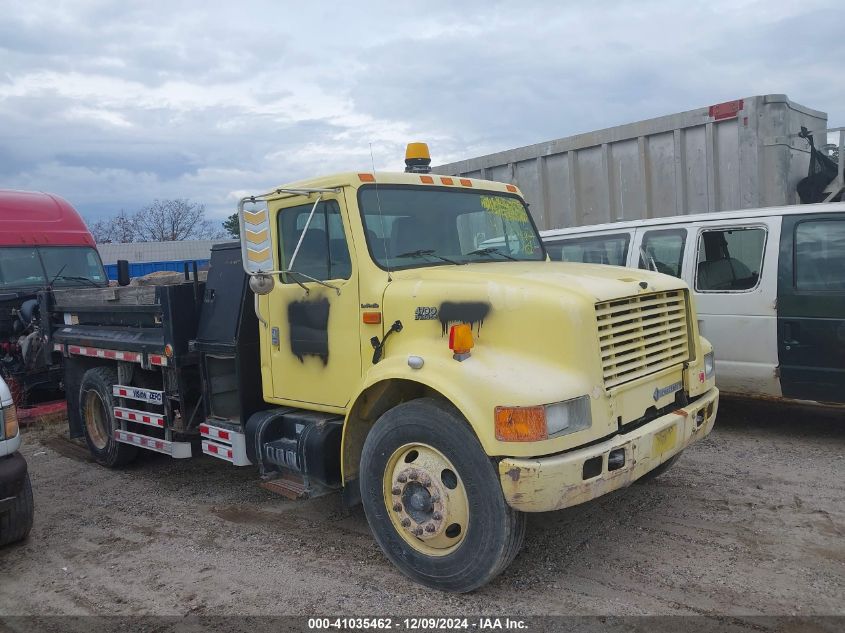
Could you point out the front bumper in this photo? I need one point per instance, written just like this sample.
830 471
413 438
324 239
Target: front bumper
560 481
12 479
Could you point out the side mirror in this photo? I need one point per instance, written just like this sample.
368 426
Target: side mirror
261 284
122 272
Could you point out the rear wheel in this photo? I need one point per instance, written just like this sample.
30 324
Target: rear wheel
433 499
16 523
96 408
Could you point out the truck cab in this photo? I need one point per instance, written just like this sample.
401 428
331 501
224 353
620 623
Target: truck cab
16 506
43 243
402 337
382 301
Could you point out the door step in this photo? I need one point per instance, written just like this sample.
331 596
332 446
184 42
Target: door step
177 450
225 444
295 487
288 487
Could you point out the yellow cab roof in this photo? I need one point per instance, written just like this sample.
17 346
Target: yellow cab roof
357 179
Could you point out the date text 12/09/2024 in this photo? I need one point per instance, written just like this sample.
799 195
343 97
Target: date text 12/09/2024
417 624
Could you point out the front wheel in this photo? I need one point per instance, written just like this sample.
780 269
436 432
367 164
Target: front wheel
433 499
17 522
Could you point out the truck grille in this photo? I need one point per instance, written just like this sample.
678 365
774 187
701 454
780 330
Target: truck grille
641 335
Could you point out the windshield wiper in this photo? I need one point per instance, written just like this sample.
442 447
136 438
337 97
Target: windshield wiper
77 278
489 250
428 252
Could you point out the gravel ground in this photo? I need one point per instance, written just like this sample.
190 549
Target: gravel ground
750 521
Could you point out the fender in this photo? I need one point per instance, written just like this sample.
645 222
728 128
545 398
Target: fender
500 381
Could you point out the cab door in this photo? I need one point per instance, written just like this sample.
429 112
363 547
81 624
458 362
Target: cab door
314 339
811 307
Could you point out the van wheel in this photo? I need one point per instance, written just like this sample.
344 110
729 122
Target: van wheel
17 522
96 409
656 472
433 499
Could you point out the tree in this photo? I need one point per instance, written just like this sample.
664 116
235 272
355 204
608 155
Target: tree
161 221
119 229
172 221
232 226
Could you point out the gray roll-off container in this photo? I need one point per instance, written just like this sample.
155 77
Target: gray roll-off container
739 154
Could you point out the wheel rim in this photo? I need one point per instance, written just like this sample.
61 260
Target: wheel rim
426 499
97 420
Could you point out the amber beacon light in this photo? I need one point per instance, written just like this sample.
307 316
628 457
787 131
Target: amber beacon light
417 158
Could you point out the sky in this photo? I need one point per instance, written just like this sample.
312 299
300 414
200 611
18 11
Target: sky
114 104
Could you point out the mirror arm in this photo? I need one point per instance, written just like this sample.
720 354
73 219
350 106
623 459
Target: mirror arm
258 313
310 278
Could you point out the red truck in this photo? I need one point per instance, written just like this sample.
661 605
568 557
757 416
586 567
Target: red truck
44 243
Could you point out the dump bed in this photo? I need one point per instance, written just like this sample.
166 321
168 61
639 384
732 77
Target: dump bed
142 320
736 155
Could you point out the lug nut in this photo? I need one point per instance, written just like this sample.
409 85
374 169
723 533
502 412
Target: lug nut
406 522
418 531
430 527
396 490
397 507
435 497
402 478
412 475
425 480
436 516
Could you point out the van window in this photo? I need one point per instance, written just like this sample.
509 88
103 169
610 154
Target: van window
729 260
599 249
820 255
663 251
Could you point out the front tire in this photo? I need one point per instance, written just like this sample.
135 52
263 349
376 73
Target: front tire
17 522
96 409
433 499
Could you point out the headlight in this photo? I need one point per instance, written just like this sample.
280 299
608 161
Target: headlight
709 365
532 424
568 416
8 422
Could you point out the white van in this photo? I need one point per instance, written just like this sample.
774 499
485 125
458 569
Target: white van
769 285
16 509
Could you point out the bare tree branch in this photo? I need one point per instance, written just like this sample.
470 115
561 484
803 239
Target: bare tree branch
162 221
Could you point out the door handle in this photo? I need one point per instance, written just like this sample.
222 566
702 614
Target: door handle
789 343
790 336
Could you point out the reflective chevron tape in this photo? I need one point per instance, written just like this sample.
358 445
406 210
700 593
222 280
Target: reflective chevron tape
111 354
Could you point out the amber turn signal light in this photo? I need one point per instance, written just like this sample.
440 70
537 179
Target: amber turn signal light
372 318
521 424
460 338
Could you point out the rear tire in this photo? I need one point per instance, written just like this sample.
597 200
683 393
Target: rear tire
96 410
656 472
16 523
434 501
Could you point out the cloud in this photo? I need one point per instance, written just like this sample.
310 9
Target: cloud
113 105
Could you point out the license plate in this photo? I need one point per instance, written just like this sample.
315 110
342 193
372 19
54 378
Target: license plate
665 439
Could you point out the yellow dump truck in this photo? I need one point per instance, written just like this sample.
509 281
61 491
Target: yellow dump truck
402 337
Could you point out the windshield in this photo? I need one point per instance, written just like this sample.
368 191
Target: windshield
422 226
36 266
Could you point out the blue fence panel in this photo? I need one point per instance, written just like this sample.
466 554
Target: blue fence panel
139 269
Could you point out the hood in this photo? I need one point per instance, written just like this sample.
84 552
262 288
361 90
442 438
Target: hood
540 312
589 282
